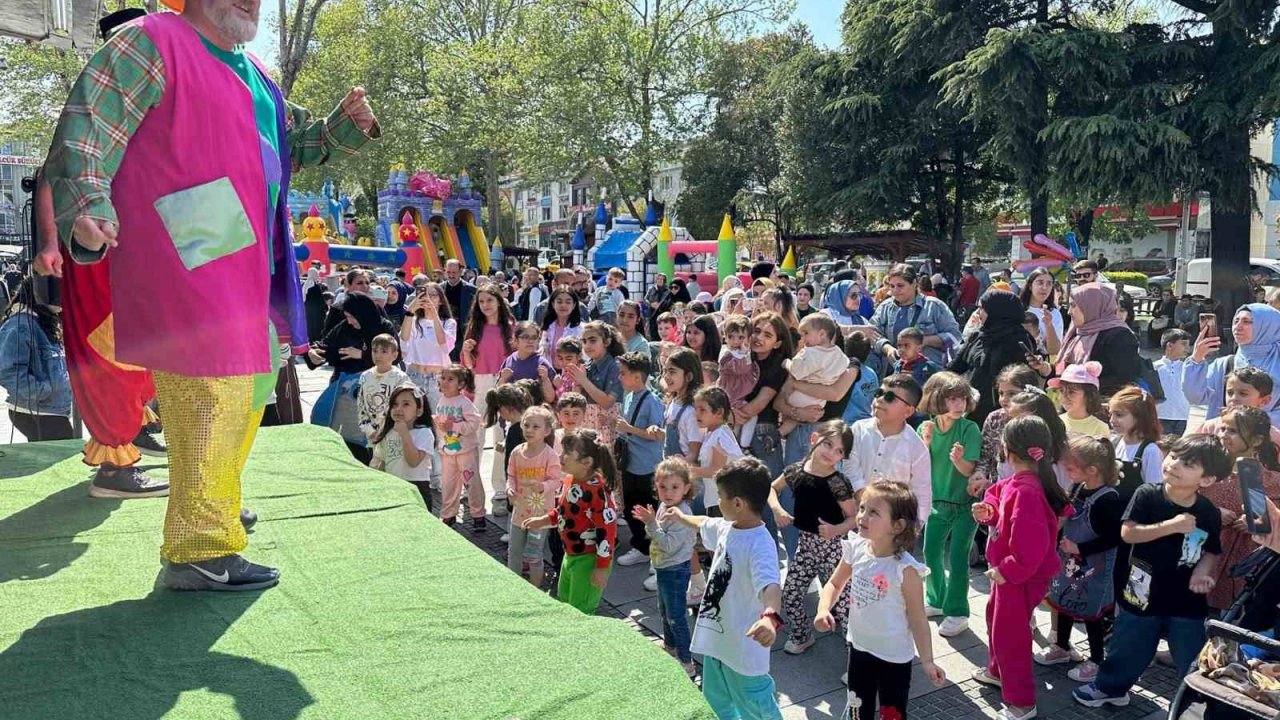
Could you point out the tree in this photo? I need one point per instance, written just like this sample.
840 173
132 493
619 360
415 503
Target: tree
1174 110
738 162
872 144
296 34
36 81
637 74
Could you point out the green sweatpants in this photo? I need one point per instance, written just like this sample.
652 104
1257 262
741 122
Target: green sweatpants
575 586
947 587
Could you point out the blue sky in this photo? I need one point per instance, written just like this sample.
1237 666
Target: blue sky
822 17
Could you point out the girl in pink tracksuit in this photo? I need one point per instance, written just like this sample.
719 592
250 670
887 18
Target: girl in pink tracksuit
1023 512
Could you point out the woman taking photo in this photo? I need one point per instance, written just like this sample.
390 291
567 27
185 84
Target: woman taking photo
1000 341
1038 298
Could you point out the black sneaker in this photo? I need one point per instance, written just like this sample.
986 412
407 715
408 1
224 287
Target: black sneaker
479 524
148 443
248 518
126 483
231 573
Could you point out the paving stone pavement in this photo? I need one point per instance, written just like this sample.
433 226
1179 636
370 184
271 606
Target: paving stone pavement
809 685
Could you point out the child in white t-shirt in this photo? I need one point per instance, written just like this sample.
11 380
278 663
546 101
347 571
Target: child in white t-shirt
738 618
886 608
719 446
376 385
403 445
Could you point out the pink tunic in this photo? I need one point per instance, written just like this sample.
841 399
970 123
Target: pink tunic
194 223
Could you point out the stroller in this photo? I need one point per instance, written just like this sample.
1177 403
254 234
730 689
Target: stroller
1222 679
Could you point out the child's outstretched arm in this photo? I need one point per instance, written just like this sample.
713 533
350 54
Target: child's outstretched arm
824 620
913 593
675 513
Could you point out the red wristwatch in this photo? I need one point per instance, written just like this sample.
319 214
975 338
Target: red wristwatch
775 617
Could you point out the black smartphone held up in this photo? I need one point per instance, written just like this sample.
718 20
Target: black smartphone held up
1256 516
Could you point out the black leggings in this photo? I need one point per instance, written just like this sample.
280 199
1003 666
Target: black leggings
42 427
1096 631
877 682
424 489
637 490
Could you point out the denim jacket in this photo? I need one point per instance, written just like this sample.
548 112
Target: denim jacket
33 368
932 317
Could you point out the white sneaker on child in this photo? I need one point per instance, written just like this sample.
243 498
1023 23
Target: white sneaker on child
651 583
632 557
953 626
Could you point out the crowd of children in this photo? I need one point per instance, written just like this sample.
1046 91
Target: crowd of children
1091 505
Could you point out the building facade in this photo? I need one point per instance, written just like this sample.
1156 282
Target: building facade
17 160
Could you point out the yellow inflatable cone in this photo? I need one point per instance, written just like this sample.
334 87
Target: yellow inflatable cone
789 263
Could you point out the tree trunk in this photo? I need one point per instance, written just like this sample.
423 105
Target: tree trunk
1038 177
493 197
957 210
1231 214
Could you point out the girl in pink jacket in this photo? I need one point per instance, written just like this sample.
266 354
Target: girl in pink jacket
1023 512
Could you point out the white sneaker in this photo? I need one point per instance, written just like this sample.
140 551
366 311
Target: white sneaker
651 583
697 588
794 648
499 507
1007 714
953 626
932 612
506 538
632 557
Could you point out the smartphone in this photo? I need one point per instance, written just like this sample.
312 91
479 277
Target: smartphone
748 304
1256 516
1210 321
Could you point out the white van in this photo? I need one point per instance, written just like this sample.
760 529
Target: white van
1198 275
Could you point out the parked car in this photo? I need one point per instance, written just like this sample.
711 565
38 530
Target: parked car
1199 276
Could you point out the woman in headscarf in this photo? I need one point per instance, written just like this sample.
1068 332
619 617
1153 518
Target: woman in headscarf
1000 342
841 303
348 349
317 308
1098 333
1256 330
679 293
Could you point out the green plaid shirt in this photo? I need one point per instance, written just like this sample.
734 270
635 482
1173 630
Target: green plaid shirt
123 81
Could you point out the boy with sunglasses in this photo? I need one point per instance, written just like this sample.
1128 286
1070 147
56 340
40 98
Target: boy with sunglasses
885 448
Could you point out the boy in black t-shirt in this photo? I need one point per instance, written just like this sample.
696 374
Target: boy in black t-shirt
1174 534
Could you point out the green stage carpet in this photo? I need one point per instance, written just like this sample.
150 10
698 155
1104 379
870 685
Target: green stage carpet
382 611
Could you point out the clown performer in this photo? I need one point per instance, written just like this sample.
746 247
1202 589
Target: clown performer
178 137
112 397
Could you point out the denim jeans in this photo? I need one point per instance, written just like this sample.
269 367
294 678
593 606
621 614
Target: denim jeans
1133 645
673 585
766 445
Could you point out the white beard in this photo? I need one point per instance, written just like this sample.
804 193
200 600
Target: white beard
228 20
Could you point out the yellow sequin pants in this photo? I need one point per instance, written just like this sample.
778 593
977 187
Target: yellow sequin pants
209 423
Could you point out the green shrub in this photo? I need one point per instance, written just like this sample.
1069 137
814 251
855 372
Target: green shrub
1136 279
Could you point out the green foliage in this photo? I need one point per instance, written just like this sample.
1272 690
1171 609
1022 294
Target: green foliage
36 81
1127 278
739 161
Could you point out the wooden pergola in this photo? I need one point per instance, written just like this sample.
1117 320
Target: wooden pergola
895 245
